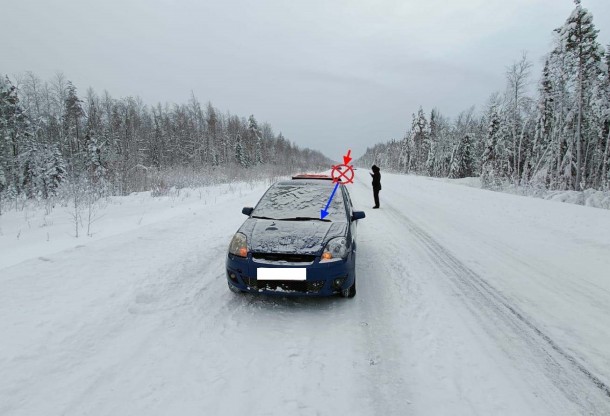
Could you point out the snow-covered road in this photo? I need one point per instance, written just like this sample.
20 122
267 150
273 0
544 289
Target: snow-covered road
469 303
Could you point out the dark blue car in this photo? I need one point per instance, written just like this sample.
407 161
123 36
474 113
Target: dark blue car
284 247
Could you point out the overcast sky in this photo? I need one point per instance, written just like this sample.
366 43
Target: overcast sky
331 75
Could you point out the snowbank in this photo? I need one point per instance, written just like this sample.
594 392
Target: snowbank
589 197
41 229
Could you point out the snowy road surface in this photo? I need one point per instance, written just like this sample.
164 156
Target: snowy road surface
469 303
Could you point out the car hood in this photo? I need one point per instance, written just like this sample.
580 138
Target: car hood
299 237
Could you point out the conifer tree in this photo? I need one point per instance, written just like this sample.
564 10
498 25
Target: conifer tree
239 153
2 186
583 56
462 165
255 140
119 141
212 134
605 168
15 134
93 140
71 126
419 141
489 162
538 156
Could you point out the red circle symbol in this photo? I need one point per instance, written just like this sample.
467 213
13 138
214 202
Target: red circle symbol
343 174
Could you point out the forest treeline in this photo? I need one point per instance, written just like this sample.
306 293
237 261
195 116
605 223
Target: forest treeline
557 139
51 138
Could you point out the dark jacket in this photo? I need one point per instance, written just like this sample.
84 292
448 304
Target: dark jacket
376 175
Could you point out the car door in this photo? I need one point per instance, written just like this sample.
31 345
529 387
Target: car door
352 225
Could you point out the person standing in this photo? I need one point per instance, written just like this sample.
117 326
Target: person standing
376 175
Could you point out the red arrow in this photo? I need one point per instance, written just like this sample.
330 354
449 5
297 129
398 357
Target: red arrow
346 158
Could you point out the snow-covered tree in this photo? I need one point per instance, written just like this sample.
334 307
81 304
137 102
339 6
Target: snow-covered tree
255 140
490 171
2 186
517 102
15 134
72 119
2 180
212 135
43 169
560 139
541 147
419 142
438 162
605 164
583 55
240 157
94 140
116 141
462 164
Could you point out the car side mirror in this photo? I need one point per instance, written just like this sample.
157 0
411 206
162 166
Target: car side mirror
358 215
247 211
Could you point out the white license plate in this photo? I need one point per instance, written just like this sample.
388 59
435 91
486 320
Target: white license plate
278 273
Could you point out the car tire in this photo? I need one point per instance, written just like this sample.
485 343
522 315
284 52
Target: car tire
234 289
350 292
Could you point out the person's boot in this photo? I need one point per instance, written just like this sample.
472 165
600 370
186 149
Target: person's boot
375 207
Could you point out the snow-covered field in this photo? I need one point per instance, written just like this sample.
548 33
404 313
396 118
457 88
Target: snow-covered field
470 302
588 197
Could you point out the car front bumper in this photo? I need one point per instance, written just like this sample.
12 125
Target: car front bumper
321 278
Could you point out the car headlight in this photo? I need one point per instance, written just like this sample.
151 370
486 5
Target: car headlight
239 246
336 249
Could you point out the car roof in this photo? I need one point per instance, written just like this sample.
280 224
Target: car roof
313 176
306 181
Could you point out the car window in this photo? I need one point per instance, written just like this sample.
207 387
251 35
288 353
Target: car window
288 200
348 202
349 199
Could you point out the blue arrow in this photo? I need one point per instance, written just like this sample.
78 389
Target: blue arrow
324 212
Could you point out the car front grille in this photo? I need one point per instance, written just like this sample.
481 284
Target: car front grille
304 286
284 257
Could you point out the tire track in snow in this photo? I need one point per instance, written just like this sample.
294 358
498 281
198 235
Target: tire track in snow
565 371
378 304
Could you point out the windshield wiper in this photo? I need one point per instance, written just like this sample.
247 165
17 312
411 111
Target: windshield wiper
304 219
264 218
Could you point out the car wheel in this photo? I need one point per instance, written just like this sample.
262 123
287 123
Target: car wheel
234 289
350 292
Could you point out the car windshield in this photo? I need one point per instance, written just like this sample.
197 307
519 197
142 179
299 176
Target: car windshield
300 201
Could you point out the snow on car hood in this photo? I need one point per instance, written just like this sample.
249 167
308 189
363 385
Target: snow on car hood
299 237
